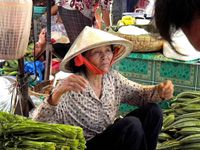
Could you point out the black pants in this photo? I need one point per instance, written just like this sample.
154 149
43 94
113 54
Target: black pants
138 130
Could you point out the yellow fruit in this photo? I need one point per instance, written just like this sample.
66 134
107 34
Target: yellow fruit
128 20
120 23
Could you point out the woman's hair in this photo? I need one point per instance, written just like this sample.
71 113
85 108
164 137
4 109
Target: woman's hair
173 14
74 68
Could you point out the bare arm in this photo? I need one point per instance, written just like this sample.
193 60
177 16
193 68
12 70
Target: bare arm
54 10
72 83
106 17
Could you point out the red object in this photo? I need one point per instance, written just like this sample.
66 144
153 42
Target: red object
53 40
142 3
55 66
80 60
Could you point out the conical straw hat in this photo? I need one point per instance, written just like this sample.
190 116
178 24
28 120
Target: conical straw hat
91 38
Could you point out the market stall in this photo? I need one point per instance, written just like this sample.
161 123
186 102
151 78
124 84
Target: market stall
146 64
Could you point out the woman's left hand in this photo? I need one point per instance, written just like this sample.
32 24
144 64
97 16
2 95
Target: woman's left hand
166 90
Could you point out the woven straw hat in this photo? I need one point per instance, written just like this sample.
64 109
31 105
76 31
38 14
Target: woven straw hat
91 38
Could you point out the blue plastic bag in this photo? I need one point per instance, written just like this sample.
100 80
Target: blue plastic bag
29 68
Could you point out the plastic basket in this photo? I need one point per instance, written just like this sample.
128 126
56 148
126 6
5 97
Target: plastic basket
15 25
39 11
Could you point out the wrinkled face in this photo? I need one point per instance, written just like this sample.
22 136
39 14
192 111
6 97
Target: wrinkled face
101 57
193 32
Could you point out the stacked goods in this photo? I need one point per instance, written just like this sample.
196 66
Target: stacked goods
142 40
20 133
11 66
181 124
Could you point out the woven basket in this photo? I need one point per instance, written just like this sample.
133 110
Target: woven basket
37 94
143 43
42 89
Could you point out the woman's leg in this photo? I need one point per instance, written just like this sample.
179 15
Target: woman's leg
151 118
124 134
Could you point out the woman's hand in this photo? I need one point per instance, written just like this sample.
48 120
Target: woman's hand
166 90
74 83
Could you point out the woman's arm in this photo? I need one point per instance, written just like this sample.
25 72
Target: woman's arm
72 83
54 10
138 94
106 17
105 9
51 109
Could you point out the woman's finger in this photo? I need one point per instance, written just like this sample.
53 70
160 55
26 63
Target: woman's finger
76 87
80 80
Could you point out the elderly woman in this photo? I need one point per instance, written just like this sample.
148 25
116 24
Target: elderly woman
91 96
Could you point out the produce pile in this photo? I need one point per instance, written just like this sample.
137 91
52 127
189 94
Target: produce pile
20 133
126 20
11 66
181 124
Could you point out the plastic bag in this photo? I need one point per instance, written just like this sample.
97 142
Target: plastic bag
8 92
29 68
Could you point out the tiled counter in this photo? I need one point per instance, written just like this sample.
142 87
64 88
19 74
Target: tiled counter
152 68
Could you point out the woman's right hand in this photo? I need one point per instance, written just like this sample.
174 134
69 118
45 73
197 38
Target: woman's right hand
74 83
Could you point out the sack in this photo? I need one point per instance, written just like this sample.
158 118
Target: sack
183 48
8 93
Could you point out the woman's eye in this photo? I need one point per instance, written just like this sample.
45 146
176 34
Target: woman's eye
95 53
109 51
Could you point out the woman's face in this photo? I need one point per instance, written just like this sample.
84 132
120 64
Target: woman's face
101 57
193 32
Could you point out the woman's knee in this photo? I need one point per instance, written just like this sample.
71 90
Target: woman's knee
155 110
133 126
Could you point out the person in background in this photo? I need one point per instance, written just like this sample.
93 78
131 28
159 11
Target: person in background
91 95
171 15
131 4
77 14
39 2
59 37
121 6
118 8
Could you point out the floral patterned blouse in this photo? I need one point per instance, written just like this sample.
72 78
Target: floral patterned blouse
95 114
86 7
